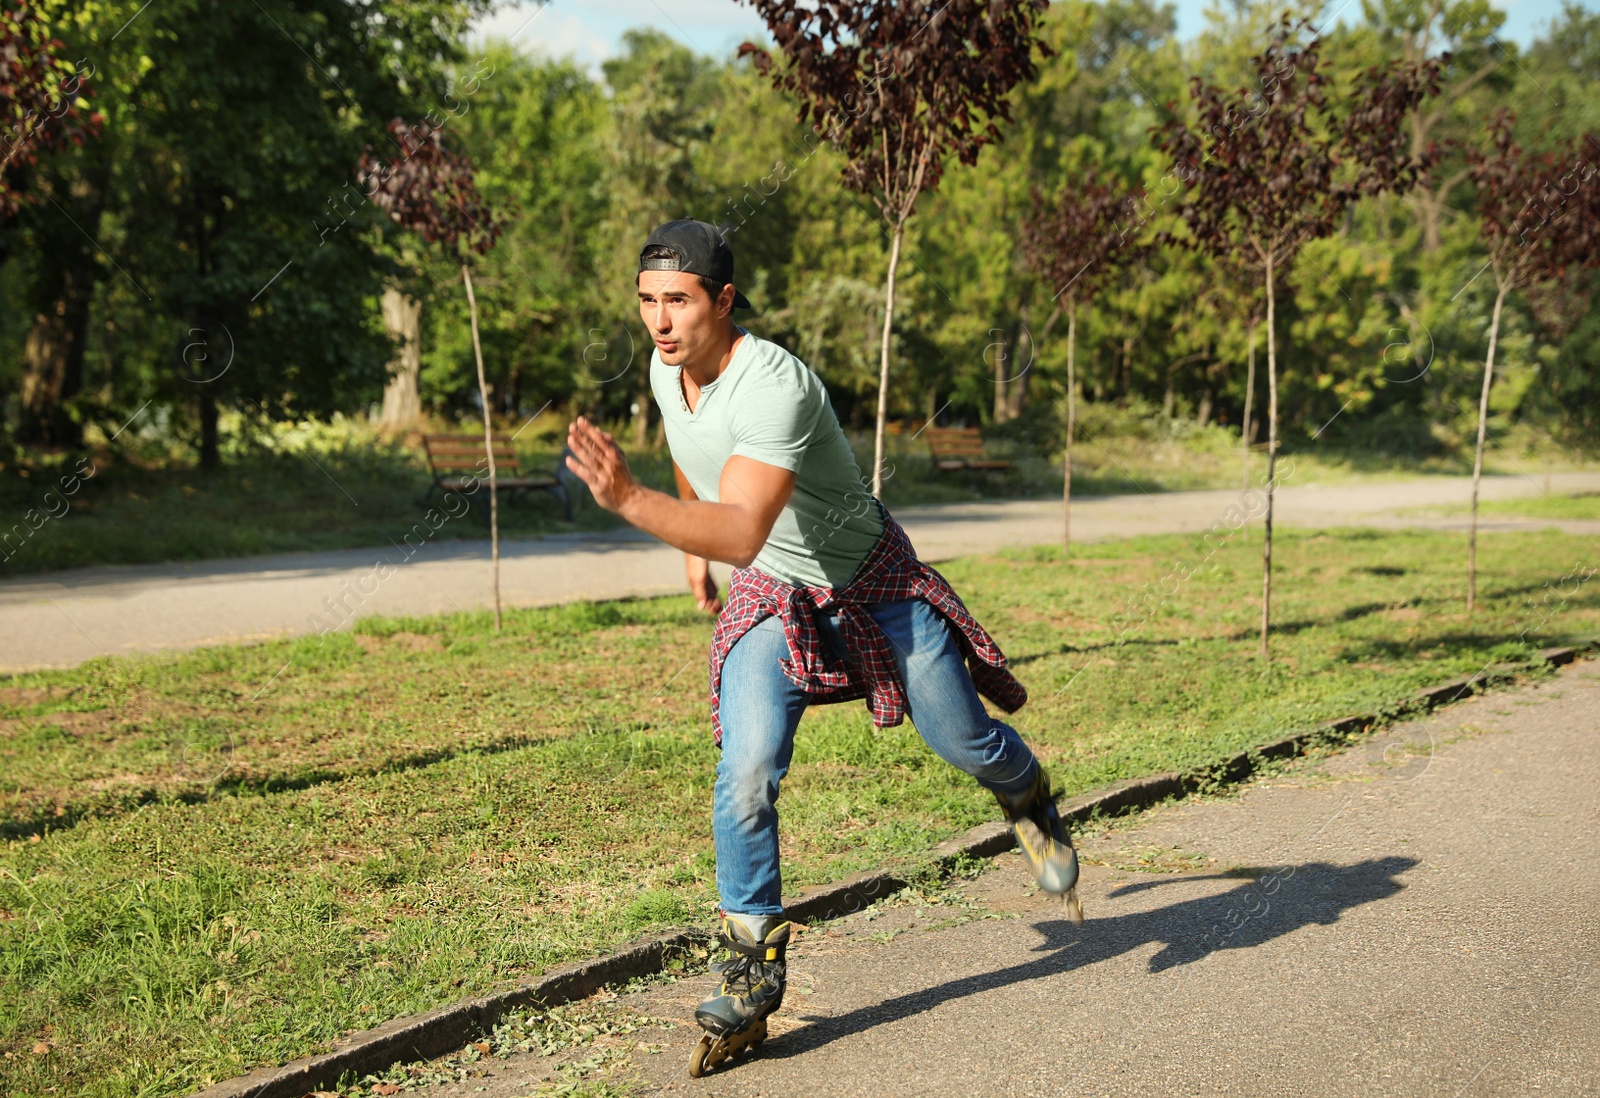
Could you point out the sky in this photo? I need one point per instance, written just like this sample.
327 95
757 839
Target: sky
591 30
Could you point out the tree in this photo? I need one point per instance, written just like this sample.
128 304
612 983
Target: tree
1075 242
201 219
402 398
1262 167
43 104
898 87
431 192
1532 234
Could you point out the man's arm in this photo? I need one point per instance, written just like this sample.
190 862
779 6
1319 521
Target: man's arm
698 569
732 531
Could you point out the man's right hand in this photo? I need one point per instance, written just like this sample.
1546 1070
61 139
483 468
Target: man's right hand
702 586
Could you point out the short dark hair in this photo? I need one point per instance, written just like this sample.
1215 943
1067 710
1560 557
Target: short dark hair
661 251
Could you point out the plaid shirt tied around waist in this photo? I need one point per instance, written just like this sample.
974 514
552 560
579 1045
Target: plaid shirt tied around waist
891 572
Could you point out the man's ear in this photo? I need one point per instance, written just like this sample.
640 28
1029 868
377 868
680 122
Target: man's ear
725 300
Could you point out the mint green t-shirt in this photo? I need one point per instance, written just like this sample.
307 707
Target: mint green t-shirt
769 406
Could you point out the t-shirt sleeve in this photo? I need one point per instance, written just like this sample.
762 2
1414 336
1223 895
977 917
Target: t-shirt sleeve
777 428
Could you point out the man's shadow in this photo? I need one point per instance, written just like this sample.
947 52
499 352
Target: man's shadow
1267 905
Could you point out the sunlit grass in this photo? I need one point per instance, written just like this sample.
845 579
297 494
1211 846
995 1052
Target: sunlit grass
232 856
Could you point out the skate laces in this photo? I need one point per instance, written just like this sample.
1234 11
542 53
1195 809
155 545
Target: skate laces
736 968
748 963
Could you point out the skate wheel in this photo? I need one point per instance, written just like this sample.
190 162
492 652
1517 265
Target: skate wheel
697 1058
1072 906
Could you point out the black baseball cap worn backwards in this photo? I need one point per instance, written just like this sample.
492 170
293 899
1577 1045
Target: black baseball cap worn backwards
701 250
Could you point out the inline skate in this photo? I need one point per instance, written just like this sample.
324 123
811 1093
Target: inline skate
1044 841
753 978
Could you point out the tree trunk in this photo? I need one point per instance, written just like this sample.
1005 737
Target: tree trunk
112 371
210 455
511 400
198 365
1169 399
1477 457
205 223
52 364
52 354
1246 428
1202 415
402 401
488 446
883 368
1002 405
1127 370
1017 387
1020 384
1428 206
641 404
1272 459
1072 423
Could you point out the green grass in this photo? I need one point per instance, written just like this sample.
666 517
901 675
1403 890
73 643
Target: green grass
321 488
232 856
1578 506
1570 507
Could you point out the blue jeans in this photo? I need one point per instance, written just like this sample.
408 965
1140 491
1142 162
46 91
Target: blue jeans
761 708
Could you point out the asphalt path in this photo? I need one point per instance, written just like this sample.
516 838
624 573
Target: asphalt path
60 619
1418 915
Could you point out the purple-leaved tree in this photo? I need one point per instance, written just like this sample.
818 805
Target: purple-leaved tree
1076 243
42 98
1534 229
897 87
1270 166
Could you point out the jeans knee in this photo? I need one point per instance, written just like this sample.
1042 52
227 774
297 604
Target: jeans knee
746 790
992 752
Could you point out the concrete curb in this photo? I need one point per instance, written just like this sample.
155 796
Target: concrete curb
434 1033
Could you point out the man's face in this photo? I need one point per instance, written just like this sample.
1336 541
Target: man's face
683 319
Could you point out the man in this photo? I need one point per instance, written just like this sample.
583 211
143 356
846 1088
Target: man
827 603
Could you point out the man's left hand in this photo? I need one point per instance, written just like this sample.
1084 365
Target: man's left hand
598 461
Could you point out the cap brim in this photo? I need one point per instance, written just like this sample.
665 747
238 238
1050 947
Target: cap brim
740 301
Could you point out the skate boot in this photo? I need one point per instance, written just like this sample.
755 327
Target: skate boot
1044 841
735 1019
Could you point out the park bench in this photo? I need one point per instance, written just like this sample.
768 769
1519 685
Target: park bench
956 448
457 464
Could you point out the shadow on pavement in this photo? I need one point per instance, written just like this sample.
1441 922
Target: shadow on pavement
1279 901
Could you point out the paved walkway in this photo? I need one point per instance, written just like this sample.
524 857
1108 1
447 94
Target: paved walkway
62 618
1419 915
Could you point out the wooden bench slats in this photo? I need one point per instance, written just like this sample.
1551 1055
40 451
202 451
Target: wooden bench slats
958 448
465 462
451 456
467 483
457 453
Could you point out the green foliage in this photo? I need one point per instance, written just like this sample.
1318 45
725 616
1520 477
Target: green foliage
213 174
